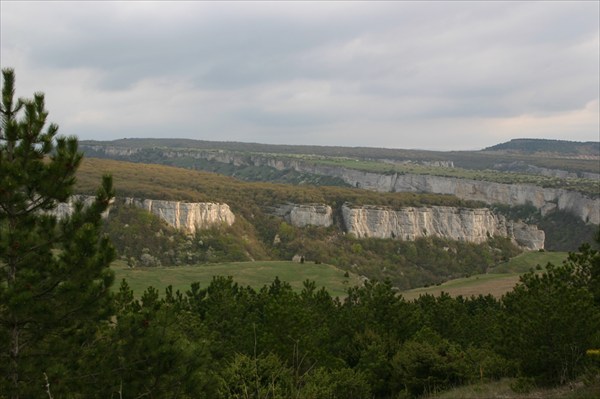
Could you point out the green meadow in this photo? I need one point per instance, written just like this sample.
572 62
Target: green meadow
497 281
253 274
258 274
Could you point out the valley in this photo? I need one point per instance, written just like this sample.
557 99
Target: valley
413 217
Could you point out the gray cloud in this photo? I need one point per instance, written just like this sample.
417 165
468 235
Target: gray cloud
431 75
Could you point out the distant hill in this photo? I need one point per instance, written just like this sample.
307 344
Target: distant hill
537 146
484 159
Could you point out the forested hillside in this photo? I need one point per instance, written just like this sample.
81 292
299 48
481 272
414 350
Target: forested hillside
558 147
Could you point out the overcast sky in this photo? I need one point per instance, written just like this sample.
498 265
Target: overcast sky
431 75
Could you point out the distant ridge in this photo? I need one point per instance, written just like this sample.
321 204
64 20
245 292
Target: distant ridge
562 147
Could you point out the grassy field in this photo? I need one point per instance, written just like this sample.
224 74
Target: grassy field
497 282
528 260
254 274
257 274
502 389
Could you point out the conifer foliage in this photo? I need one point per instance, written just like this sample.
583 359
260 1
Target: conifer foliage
54 275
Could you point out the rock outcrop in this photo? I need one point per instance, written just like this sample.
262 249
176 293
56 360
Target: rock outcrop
301 215
185 216
65 209
545 199
463 224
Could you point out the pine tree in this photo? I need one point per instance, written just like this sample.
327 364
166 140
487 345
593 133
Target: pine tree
54 275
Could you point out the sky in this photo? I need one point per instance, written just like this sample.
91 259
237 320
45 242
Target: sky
428 75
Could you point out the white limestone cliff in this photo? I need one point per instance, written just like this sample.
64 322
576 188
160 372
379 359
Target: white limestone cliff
545 199
463 224
65 209
185 216
302 215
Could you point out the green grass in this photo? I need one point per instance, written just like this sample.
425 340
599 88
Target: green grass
529 260
496 282
257 274
254 274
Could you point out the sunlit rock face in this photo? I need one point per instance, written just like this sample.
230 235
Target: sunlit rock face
185 216
461 224
302 215
545 199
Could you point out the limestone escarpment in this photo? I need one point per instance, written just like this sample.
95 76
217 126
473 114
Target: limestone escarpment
65 209
301 215
185 216
546 199
410 223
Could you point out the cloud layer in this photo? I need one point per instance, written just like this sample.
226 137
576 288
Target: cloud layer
434 75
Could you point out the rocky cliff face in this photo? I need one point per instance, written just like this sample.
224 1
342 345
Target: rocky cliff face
65 209
301 215
471 225
186 216
545 199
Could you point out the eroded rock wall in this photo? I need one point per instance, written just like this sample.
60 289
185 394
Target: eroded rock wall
545 199
301 215
186 216
462 224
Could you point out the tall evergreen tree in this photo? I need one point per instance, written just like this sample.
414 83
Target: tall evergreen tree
54 275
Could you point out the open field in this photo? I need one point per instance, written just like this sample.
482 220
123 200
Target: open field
257 274
527 260
497 282
502 389
254 274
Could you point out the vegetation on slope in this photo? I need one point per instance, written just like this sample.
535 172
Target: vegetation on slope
563 231
147 241
63 333
463 159
279 342
544 146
